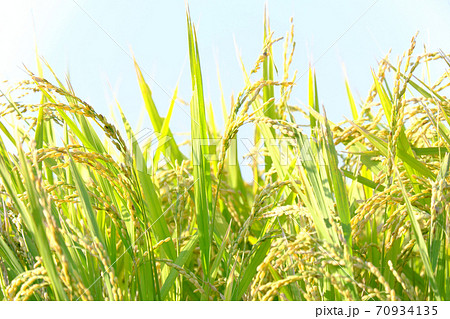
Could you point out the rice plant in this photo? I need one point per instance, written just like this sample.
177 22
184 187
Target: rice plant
357 210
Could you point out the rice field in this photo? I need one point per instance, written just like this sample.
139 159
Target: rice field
357 210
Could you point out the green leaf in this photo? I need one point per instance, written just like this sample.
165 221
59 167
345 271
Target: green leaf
174 154
419 238
201 167
250 270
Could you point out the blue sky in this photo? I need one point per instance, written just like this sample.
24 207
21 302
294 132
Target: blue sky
93 41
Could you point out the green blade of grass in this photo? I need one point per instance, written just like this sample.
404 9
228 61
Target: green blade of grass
383 148
201 172
85 202
157 122
351 101
250 270
339 188
9 257
33 218
438 240
182 258
420 241
268 91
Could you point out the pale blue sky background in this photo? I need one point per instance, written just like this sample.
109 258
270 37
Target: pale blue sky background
156 32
